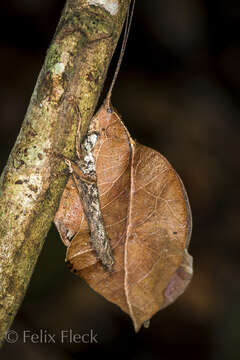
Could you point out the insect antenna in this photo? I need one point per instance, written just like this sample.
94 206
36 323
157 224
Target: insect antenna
128 23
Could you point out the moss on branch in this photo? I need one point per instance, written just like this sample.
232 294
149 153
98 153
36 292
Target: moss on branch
33 179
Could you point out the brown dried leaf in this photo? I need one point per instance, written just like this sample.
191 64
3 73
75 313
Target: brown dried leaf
146 215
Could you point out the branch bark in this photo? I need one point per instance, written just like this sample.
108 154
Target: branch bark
33 180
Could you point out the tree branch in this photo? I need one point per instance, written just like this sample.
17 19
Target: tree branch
32 182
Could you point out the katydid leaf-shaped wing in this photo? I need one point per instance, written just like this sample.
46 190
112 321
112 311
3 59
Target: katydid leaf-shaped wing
147 218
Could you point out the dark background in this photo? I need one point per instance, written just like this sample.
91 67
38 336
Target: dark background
178 92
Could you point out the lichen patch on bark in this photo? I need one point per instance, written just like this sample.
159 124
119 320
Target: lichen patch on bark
58 68
111 6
